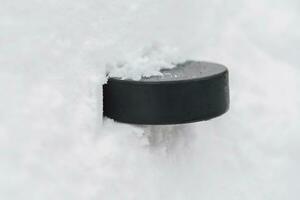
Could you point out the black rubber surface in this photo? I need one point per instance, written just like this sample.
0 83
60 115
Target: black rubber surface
190 92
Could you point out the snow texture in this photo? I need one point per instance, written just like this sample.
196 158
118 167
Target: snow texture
145 62
54 144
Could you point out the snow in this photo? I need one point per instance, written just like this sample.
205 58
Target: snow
54 56
145 62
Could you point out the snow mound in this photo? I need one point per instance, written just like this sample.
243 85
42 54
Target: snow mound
145 62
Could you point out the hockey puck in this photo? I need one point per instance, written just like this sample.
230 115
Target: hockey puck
190 92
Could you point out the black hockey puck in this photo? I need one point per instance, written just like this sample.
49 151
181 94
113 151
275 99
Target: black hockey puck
190 92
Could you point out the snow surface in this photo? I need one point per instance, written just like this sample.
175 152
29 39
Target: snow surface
145 62
54 143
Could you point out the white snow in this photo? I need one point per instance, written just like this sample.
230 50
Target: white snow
145 62
54 143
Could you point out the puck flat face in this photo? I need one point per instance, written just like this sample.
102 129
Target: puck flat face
190 92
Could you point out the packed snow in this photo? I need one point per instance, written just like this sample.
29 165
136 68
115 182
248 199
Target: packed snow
55 144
